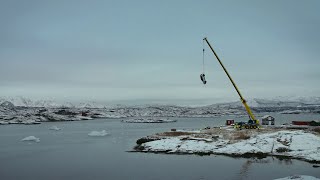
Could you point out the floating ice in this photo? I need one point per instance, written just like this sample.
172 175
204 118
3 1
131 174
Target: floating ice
299 177
31 138
55 128
98 133
148 120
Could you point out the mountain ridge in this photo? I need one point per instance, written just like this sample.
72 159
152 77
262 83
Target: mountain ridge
255 102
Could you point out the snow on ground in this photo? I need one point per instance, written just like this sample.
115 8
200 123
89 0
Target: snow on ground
30 122
55 128
98 133
299 177
31 138
3 123
296 144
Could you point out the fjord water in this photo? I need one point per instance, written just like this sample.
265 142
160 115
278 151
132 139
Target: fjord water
72 154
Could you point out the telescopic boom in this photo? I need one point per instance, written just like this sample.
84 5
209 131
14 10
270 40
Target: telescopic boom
244 102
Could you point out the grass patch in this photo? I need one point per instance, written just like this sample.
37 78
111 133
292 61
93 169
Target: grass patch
174 133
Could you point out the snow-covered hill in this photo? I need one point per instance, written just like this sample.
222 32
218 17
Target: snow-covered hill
23 110
274 102
26 102
280 101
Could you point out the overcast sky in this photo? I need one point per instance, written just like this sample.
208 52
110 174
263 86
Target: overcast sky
151 51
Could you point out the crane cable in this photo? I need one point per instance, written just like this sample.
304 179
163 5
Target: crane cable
203 56
202 76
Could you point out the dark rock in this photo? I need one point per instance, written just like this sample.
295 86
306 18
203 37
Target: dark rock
65 112
282 149
147 139
138 148
8 105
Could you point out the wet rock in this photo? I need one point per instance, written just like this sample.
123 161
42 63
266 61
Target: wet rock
147 139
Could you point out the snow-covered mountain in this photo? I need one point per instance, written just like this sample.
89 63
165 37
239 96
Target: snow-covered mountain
25 111
281 101
26 102
274 102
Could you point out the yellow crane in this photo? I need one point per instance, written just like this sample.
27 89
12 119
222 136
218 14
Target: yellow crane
253 122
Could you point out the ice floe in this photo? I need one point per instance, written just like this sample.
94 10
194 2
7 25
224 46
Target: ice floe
55 128
98 133
298 177
31 138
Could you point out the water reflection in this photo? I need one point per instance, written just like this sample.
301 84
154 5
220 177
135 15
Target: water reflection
249 163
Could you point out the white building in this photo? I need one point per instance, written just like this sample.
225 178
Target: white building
267 120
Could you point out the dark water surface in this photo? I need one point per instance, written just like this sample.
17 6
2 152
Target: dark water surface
72 154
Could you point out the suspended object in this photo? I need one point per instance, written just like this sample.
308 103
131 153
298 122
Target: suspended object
203 76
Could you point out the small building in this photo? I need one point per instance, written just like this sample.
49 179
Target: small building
229 122
267 120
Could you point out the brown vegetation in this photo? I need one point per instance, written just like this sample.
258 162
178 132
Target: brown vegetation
241 135
317 130
174 133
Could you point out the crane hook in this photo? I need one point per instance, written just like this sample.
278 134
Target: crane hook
203 78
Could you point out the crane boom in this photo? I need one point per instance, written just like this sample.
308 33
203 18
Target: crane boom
244 102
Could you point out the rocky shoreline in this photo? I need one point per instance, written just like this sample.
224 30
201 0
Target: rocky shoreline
280 143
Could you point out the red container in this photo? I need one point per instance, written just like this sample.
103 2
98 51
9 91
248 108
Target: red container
301 123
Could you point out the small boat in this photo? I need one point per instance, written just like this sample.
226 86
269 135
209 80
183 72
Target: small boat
301 123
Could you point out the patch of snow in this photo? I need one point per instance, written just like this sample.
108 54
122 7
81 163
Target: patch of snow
265 116
291 112
29 122
98 133
298 177
31 138
190 131
3 123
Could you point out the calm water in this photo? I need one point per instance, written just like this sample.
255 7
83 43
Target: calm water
72 154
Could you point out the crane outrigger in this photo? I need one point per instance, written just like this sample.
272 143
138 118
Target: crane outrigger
253 123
